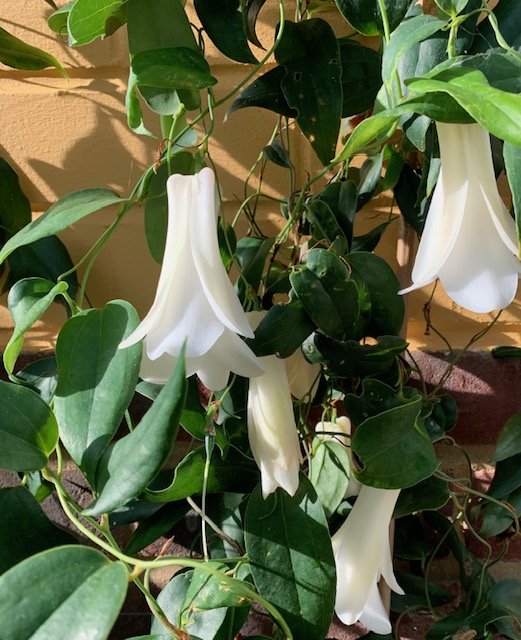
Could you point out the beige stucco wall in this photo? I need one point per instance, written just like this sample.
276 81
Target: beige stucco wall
64 135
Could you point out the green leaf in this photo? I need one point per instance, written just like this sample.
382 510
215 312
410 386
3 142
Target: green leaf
176 603
376 398
24 528
329 470
365 15
17 54
361 76
28 429
130 465
96 380
291 559
496 110
507 477
512 156
155 526
57 21
224 24
419 593
234 472
41 376
172 68
394 448
497 518
341 198
73 592
312 85
324 225
70 209
265 92
508 15
432 493
251 254
282 330
507 594
87 20
350 359
15 212
509 440
28 300
251 12
387 307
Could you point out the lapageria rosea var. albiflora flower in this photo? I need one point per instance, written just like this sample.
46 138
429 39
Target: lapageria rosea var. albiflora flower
469 241
362 555
195 300
272 430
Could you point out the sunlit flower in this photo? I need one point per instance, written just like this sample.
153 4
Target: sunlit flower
362 555
195 300
303 376
469 241
271 425
340 430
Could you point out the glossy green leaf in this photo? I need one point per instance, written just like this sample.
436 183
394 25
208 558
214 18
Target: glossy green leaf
265 92
208 591
70 209
155 526
96 380
365 15
419 593
512 156
387 307
41 376
376 397
87 19
251 12
509 440
276 153
350 359
15 212
129 466
406 36
507 594
394 448
251 254
73 592
224 23
324 225
176 603
17 54
329 296
452 7
24 528
234 472
57 21
497 518
361 76
226 511
496 110
329 470
28 300
172 68
45 258
307 50
432 493
341 198
508 16
507 477
282 330
291 559
28 429
156 204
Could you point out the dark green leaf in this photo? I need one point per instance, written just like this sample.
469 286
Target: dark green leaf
406 194
324 225
512 156
28 429
282 330
419 593
370 175
41 376
17 54
27 301
155 526
251 12
312 85
508 16
173 68
350 359
497 518
96 380
506 352
15 212
57 21
341 198
329 470
73 592
224 24
87 20
507 594
24 528
365 15
509 440
130 465
394 448
431 493
507 477
265 92
291 559
387 307
376 398
251 254
361 76
370 240
70 209
276 153
235 472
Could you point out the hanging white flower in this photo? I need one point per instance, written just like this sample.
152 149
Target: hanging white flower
469 241
362 555
195 300
272 430
303 376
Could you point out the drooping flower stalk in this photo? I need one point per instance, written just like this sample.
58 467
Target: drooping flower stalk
272 430
195 300
469 241
362 555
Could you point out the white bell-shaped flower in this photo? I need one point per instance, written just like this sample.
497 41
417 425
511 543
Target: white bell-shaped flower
303 376
469 241
362 555
195 300
272 430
